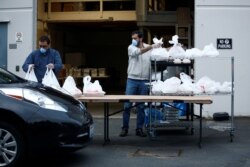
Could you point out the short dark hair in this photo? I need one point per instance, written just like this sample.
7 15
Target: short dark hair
139 33
44 38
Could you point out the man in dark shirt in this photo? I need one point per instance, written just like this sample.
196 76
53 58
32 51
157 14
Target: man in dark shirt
43 58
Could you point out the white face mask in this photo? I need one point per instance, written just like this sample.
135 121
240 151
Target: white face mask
134 42
42 50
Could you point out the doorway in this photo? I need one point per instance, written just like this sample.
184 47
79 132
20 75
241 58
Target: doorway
3 45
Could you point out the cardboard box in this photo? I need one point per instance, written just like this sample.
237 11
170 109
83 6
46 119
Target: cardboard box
94 72
67 66
71 72
85 72
62 73
101 72
68 7
78 73
56 7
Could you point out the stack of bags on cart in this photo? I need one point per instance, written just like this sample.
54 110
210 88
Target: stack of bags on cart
187 86
179 54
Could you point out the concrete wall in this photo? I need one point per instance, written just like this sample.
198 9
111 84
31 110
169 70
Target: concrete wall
21 16
225 19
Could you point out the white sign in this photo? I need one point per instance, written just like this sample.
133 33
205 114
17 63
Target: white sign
19 37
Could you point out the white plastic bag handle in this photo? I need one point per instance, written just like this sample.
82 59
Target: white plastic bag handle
50 79
30 75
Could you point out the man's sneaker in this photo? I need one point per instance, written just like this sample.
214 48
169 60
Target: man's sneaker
124 133
139 132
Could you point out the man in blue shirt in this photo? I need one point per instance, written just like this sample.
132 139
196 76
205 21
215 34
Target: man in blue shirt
43 58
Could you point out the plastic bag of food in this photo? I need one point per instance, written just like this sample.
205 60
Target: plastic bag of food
70 86
50 79
30 75
92 89
176 51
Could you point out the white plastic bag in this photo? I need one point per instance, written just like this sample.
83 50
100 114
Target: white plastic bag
70 86
92 89
208 85
30 75
185 78
171 85
157 41
193 52
210 51
157 87
187 85
176 51
50 79
159 54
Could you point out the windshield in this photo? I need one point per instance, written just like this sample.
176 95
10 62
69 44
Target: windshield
7 77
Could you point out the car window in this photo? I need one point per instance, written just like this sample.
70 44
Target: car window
7 77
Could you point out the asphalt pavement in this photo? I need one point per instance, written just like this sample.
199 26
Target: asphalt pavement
170 148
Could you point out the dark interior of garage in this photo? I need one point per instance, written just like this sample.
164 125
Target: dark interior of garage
99 45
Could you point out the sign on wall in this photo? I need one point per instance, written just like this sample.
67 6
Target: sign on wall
19 37
224 43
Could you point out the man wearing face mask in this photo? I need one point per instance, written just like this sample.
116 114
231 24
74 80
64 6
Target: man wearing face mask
43 58
138 74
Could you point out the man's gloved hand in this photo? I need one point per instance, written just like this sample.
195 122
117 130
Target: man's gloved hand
50 66
156 45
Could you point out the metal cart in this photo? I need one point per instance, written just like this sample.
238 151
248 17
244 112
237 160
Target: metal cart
170 118
187 123
229 124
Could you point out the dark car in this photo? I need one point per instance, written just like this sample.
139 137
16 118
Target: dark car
35 118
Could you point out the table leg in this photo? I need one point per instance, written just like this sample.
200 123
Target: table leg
107 110
106 122
200 138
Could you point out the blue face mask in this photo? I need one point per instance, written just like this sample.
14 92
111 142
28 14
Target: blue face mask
134 42
42 50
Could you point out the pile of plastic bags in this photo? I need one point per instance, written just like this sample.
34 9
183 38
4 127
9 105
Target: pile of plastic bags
177 51
69 86
186 85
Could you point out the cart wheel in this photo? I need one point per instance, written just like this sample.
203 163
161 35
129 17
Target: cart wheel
147 129
152 135
231 137
200 145
192 131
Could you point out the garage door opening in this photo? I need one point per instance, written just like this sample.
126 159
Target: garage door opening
100 49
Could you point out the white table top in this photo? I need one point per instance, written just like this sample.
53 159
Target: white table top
147 98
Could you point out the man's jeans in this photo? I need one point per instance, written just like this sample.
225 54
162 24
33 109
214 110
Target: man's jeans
135 87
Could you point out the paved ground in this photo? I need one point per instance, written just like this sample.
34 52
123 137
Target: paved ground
172 148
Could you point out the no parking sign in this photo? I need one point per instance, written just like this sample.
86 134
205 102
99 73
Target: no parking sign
224 43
